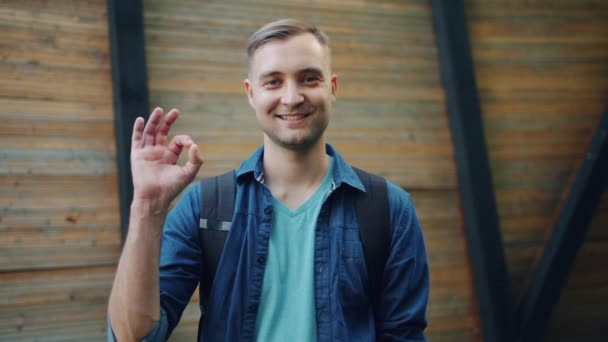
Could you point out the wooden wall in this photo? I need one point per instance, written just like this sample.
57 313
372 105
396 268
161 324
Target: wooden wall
542 75
59 221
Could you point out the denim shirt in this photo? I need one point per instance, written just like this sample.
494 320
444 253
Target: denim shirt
343 312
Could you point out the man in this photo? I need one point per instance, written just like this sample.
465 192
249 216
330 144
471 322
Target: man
293 266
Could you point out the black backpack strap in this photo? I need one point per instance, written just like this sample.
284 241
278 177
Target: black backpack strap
217 208
374 223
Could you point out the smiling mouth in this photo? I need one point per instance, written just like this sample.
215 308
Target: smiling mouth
292 117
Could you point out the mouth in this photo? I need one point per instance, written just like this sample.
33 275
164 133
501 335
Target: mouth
292 117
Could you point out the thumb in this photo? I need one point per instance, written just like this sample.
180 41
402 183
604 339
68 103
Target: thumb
195 161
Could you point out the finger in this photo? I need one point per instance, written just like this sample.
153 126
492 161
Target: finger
194 156
165 126
195 161
149 137
178 142
138 129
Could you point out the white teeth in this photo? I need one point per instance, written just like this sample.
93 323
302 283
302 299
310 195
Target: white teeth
291 117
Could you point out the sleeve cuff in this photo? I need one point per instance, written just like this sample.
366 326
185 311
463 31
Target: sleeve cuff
159 333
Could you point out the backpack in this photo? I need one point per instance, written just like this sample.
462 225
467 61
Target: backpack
217 208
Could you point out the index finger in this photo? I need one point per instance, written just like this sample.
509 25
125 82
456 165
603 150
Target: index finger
137 135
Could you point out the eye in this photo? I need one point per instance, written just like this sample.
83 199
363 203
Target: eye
271 83
311 79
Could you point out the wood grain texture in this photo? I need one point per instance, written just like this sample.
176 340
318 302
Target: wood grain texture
59 236
55 305
542 74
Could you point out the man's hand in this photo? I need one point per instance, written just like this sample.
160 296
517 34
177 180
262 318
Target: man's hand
156 176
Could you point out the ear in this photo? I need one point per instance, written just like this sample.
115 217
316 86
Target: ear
334 87
248 91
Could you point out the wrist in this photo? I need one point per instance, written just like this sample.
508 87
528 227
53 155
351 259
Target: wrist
149 205
146 219
148 209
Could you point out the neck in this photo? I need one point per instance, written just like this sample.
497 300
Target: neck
283 165
293 174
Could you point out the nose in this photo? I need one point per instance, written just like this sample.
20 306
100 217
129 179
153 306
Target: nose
292 94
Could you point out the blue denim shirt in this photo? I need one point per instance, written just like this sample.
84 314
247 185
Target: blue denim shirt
341 298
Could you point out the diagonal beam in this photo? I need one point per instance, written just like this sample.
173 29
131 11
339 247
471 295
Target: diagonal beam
568 235
129 88
474 175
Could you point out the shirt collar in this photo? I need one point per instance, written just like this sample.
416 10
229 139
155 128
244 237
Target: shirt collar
342 173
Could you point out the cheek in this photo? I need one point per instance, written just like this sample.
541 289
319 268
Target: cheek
321 94
323 99
264 102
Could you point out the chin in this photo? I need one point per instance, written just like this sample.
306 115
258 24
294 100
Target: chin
297 144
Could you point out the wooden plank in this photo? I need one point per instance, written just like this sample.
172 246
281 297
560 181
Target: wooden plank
85 253
39 82
30 109
58 57
31 162
64 218
69 41
57 127
55 305
55 287
54 21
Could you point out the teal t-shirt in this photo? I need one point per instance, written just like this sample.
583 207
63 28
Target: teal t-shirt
287 307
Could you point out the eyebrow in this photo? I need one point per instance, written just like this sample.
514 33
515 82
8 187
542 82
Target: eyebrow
270 74
309 70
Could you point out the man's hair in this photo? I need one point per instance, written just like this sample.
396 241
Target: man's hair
282 29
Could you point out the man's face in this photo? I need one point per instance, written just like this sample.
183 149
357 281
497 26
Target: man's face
292 91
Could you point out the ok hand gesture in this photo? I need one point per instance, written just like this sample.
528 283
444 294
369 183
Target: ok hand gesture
156 176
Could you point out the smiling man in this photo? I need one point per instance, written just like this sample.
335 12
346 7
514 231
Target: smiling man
293 265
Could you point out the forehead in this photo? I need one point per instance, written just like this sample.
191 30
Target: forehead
286 56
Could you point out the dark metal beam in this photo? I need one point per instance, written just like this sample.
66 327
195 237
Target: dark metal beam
474 174
568 235
130 89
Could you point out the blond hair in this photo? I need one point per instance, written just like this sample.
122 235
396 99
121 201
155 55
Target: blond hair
282 29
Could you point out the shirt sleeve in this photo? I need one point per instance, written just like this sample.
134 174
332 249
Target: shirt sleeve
406 274
158 334
180 263
180 259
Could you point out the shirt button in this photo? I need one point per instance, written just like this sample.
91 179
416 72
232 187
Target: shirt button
323 315
268 210
320 268
261 260
253 308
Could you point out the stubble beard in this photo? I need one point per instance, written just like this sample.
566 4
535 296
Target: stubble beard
305 141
